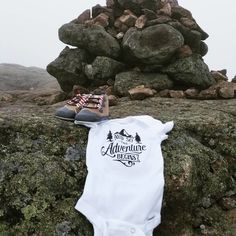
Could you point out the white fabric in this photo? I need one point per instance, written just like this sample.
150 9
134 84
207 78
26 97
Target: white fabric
124 186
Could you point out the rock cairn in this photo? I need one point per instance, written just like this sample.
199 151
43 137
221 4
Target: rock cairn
139 49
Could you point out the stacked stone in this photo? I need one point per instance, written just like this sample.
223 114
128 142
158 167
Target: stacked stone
138 49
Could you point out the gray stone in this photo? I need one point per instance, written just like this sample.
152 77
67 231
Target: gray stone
102 69
184 51
93 38
203 49
164 93
110 3
191 37
141 22
165 10
178 12
152 45
73 153
102 20
173 3
189 23
63 228
98 9
209 93
176 94
68 68
113 100
140 92
161 19
204 35
117 9
127 80
190 71
120 35
191 93
150 15
223 72
128 18
223 89
227 92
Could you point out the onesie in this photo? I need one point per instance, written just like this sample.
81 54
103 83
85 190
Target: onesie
124 185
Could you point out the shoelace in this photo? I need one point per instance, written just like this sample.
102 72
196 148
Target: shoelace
98 100
83 100
79 100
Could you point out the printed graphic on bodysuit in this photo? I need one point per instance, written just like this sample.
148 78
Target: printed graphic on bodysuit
123 147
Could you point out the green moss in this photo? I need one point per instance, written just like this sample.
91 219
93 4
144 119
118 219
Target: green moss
39 186
42 169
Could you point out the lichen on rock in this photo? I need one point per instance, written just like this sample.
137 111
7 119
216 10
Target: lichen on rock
42 168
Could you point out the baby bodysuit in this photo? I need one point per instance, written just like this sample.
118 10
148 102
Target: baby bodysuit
124 186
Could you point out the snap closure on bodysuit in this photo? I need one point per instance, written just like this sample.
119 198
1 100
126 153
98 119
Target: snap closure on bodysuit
132 230
121 228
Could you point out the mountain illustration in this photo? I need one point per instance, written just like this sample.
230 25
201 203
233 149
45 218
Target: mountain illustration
124 133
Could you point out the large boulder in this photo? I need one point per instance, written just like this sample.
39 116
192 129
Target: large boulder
68 68
152 45
185 17
103 69
190 71
130 79
41 187
42 168
93 38
191 37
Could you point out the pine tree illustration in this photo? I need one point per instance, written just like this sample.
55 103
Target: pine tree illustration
137 138
109 136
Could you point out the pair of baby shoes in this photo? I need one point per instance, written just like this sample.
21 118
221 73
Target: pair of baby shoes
85 108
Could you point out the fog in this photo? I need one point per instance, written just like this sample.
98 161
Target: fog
29 29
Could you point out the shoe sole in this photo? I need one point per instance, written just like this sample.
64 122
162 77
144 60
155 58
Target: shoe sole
89 123
63 118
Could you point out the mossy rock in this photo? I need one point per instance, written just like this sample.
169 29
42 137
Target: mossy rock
42 168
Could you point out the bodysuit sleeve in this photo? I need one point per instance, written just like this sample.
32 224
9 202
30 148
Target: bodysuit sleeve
166 128
158 127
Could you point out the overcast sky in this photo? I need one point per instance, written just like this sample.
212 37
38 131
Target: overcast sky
29 29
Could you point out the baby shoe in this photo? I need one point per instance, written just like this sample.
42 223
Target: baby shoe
96 110
72 107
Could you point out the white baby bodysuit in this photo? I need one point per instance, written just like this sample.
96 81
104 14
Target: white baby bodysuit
124 186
